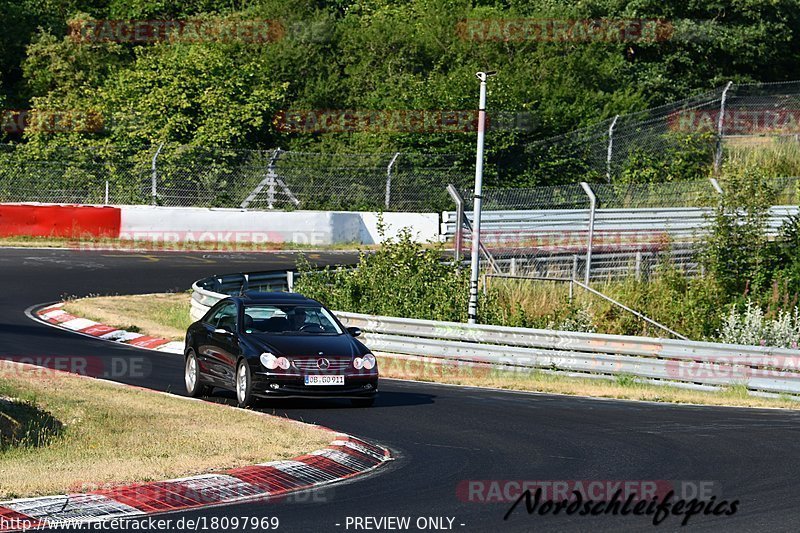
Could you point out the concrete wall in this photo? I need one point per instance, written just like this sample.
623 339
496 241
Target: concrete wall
197 224
179 224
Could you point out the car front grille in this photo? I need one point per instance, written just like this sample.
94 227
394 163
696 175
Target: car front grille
310 363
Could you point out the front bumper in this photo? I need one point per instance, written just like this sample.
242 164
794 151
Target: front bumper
284 385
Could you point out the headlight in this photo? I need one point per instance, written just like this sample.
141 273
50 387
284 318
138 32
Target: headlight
369 361
269 360
358 363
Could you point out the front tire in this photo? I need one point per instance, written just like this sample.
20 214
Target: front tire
191 377
244 385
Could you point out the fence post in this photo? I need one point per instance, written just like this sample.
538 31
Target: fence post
610 147
715 184
154 177
592 208
459 201
720 126
106 202
389 180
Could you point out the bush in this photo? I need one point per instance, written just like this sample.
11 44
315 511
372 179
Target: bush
679 157
751 326
737 252
402 278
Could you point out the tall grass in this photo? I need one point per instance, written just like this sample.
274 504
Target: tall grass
775 157
690 306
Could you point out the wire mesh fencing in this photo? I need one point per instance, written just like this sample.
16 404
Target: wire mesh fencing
602 231
675 141
218 177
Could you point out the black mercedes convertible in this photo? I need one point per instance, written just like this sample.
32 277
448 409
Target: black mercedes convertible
278 344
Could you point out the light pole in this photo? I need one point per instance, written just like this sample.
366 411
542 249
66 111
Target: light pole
472 312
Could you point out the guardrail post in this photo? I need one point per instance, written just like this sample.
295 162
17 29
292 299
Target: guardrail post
512 266
574 276
592 207
290 281
154 177
610 147
638 265
389 180
720 127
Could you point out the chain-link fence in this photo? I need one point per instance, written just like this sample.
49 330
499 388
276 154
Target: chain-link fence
256 179
602 231
676 141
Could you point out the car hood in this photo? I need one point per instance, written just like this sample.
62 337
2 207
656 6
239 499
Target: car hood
309 345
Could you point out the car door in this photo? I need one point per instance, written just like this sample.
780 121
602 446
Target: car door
219 352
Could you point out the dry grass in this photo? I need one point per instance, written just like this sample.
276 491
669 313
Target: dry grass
160 315
116 434
623 388
543 296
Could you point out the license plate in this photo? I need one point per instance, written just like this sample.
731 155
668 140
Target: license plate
324 380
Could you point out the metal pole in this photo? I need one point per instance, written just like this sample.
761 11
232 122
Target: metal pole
592 207
290 281
715 184
459 201
154 180
472 311
610 146
106 203
389 180
720 125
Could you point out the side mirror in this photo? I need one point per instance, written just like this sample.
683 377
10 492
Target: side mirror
355 332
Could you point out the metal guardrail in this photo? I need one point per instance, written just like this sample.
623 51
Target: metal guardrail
616 243
692 364
680 223
605 265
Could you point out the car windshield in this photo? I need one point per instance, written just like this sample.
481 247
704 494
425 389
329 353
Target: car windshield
289 319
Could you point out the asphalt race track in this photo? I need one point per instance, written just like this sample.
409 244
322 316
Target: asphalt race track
442 436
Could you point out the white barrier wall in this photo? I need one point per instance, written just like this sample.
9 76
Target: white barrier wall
185 224
424 226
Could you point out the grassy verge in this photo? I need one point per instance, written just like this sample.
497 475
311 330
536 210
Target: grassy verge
110 434
624 387
160 315
141 310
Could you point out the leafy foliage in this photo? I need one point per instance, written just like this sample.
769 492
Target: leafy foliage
402 278
384 55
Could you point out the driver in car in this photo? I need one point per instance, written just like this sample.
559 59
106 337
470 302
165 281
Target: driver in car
298 318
